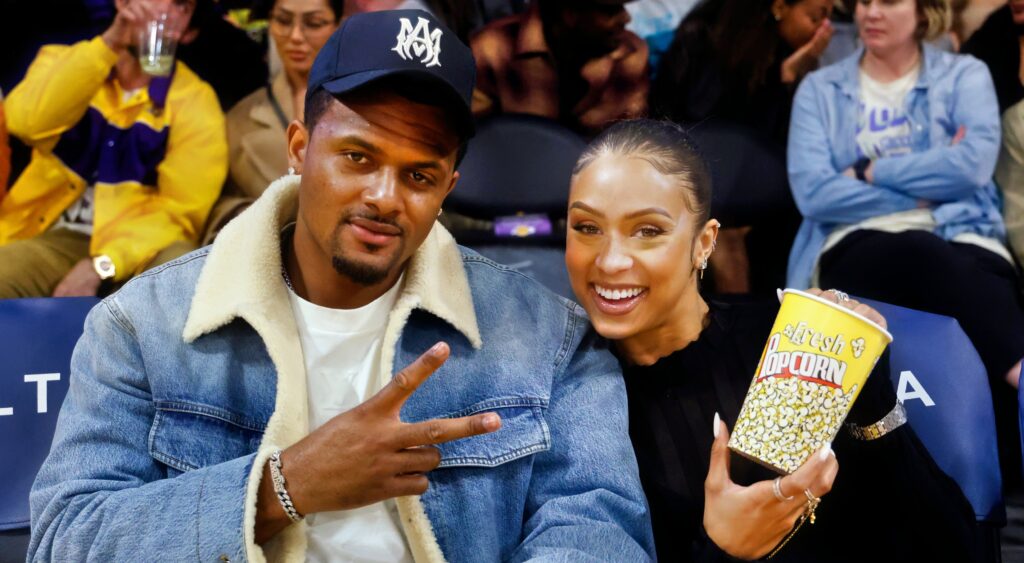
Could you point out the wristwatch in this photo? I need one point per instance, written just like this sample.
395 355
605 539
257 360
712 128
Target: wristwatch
897 417
860 169
104 267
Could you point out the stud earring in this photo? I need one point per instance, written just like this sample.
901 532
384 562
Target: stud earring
703 266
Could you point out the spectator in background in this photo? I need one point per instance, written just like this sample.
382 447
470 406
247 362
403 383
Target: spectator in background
1010 178
656 21
567 60
891 155
257 126
222 55
124 169
5 150
735 64
997 43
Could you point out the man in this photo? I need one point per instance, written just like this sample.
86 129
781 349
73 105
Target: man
569 60
239 403
125 167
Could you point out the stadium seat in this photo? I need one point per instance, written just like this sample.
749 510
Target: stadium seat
510 202
942 383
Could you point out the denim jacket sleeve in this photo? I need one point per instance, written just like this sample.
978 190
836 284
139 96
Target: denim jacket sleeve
585 501
821 191
100 495
952 172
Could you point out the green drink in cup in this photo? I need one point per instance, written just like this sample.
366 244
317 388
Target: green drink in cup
158 39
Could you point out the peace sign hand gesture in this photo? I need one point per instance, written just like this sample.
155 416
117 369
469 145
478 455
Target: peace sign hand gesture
367 455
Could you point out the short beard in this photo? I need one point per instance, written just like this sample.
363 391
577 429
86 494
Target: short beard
362 274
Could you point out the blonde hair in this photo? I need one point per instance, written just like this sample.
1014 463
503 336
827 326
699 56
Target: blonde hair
936 18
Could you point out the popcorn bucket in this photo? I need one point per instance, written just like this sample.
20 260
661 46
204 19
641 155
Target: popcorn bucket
813 367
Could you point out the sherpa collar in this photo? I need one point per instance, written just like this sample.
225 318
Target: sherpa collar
242 274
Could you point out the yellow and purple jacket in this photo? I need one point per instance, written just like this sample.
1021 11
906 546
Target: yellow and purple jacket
157 158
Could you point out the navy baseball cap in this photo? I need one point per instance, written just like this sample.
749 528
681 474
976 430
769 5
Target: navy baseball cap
411 44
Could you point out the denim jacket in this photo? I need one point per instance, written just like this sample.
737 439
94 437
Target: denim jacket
955 180
189 377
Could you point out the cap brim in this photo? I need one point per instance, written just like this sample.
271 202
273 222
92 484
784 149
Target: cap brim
464 115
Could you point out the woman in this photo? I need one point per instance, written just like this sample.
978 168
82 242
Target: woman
639 235
732 70
891 155
257 125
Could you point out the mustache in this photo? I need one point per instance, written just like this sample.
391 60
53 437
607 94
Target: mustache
369 215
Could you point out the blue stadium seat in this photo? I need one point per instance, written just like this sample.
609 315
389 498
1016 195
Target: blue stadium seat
943 384
38 338
512 193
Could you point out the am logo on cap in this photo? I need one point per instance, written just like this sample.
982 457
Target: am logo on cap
419 41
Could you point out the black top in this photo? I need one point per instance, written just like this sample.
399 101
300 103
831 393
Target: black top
890 502
996 44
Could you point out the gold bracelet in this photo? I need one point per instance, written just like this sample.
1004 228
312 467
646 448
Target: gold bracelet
809 508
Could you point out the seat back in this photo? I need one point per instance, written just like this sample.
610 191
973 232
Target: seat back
944 387
38 338
516 164
510 203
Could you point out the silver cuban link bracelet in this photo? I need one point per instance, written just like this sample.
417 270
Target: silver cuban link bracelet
279 487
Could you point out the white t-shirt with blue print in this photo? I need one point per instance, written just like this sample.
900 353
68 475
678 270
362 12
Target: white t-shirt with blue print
883 128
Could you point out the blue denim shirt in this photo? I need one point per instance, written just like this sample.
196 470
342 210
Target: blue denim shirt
955 180
186 378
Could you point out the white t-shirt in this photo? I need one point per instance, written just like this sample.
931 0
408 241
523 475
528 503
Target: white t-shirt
78 216
341 349
883 128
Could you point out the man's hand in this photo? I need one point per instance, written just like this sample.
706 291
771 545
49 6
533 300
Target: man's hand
747 522
367 454
803 59
131 15
81 281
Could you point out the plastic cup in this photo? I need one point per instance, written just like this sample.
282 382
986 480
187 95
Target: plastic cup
815 363
157 43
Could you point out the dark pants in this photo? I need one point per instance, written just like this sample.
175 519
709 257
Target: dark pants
34 267
978 288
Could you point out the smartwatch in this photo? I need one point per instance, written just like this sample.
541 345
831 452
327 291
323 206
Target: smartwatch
860 167
104 267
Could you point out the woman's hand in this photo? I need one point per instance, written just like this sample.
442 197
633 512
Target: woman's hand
747 522
804 59
861 309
